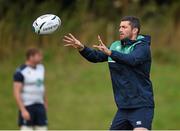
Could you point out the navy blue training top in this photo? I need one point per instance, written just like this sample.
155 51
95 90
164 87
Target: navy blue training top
129 66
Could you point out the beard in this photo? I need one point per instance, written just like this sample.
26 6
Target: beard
123 36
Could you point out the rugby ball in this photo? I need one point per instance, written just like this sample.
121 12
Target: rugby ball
46 24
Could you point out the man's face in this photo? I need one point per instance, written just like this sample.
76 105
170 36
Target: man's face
125 30
37 58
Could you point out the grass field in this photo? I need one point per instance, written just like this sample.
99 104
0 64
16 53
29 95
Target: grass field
80 93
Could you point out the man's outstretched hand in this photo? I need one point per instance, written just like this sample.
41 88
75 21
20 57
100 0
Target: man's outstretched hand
71 41
102 47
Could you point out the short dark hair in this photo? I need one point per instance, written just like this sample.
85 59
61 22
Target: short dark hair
31 52
134 22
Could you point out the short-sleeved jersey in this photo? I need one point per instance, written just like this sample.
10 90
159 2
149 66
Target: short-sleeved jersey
33 83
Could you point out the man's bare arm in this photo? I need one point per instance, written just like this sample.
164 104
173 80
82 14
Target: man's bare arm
17 94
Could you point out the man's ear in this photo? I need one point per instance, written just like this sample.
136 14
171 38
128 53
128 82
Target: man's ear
135 31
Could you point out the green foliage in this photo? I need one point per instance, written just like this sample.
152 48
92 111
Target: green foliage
85 19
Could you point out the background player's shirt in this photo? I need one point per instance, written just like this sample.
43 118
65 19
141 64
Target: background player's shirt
33 83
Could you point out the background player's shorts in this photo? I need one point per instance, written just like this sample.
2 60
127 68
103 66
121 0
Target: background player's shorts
128 119
38 116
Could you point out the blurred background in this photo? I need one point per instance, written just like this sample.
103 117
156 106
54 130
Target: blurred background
80 93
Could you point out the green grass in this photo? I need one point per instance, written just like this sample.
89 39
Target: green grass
167 95
80 93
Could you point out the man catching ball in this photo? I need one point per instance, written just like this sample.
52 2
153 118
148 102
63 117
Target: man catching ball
129 61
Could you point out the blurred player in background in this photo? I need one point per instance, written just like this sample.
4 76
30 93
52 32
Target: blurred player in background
129 61
29 92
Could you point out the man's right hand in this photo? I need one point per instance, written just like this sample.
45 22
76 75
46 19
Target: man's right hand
25 114
71 41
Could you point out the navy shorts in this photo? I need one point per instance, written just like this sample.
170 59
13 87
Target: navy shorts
38 116
128 119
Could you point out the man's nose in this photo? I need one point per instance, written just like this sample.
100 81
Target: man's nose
120 30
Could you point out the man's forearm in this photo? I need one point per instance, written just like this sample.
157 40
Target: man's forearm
19 102
93 55
17 95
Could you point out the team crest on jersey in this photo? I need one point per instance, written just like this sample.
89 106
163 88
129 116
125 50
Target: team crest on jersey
39 82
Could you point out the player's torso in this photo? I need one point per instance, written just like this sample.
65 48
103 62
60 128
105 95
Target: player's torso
129 81
33 85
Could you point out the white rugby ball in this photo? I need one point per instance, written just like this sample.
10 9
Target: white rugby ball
46 24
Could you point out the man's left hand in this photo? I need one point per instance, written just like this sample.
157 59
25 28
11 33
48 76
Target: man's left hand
102 47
